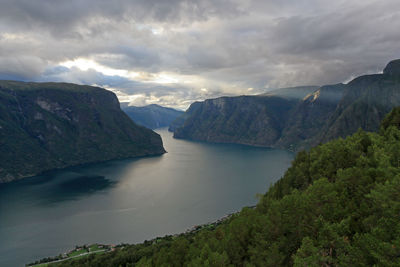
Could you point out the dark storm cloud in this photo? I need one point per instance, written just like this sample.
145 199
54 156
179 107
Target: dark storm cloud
184 50
61 16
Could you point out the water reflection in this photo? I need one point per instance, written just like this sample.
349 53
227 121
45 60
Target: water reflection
77 187
132 200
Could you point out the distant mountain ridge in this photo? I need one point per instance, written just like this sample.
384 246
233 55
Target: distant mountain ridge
46 126
282 118
152 116
252 120
294 93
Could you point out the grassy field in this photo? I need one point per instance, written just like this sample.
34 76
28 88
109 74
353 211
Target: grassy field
78 252
95 247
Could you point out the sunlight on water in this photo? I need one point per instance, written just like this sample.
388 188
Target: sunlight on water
132 200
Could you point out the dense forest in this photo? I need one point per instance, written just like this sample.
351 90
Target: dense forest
46 126
338 205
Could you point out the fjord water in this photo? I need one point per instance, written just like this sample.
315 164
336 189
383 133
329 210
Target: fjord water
129 201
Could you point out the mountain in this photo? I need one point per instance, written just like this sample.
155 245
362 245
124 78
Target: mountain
337 205
296 93
309 116
285 119
365 103
152 116
286 96
46 126
252 120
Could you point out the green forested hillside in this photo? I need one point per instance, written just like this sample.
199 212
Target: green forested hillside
338 205
251 120
45 126
329 112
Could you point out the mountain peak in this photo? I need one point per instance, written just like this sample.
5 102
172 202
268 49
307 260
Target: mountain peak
392 68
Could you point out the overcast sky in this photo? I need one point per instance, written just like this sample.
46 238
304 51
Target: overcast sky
174 52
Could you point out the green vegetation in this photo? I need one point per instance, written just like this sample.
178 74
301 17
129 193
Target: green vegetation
338 205
95 247
78 253
285 119
45 126
252 120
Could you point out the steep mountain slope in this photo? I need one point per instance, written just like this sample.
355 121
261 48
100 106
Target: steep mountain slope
337 205
253 120
152 116
309 116
54 125
329 112
291 95
365 102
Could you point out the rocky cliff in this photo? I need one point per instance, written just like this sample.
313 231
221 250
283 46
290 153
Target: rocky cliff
253 120
45 126
278 120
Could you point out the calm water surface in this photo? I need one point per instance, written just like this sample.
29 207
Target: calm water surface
132 200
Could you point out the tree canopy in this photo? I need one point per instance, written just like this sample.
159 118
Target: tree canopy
338 205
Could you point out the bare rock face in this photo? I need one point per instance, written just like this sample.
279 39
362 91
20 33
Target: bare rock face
54 125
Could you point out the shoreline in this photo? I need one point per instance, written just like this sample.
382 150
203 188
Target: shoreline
110 248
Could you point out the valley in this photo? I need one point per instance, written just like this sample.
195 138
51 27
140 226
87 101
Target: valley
132 200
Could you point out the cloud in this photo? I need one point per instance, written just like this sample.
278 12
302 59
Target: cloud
166 52
23 67
127 90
